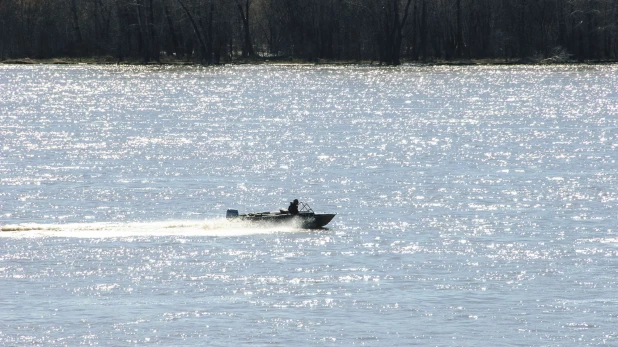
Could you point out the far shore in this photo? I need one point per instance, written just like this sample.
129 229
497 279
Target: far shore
274 61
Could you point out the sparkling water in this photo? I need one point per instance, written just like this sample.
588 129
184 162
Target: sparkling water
475 205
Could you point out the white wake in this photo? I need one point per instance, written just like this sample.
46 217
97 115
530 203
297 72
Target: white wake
210 227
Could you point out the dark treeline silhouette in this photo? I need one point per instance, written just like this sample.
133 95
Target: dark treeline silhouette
384 31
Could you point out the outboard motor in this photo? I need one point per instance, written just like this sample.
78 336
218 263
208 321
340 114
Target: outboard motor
231 214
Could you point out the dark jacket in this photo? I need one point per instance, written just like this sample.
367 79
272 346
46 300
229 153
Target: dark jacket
293 209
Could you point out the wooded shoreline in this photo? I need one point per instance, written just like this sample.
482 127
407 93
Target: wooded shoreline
384 32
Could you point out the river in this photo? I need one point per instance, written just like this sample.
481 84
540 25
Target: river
476 205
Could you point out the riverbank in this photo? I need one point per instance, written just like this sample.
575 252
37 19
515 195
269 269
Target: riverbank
107 60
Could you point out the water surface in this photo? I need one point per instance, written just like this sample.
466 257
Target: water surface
476 205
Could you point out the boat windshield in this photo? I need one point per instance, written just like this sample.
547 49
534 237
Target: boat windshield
304 207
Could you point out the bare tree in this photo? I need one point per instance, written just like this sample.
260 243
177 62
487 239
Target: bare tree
196 31
244 8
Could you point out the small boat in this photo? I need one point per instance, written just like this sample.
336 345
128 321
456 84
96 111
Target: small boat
306 218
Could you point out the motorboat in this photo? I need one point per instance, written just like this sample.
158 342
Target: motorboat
306 217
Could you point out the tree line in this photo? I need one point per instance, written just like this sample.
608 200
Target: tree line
383 31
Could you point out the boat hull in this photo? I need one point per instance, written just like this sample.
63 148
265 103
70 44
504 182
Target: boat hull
303 220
